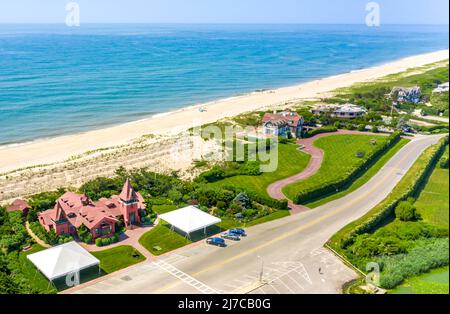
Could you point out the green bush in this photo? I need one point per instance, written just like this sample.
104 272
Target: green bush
361 127
84 234
405 211
443 163
98 242
325 129
115 238
106 241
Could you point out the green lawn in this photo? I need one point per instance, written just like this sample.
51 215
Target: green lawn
162 209
362 179
36 278
290 162
434 282
433 201
117 258
163 237
339 159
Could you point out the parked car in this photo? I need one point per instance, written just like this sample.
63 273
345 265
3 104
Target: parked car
216 241
230 236
238 231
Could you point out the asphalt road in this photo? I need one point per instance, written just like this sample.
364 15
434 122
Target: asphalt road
289 251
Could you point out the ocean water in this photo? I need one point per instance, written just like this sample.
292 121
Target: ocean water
57 80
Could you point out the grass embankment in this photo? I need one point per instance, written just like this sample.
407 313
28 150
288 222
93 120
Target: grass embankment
362 179
402 248
340 159
117 258
433 202
290 162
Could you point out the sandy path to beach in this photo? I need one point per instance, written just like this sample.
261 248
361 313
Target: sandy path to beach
60 148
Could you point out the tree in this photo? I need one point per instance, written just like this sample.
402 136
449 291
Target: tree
405 211
242 200
84 234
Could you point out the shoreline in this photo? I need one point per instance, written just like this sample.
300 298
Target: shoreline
56 149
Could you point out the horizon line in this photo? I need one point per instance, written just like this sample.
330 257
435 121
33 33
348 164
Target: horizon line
220 23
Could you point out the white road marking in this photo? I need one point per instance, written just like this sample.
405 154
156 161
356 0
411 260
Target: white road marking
172 270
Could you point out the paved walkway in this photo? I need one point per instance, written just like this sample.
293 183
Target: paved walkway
275 190
130 237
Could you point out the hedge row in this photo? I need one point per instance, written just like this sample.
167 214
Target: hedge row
313 193
407 187
268 201
325 129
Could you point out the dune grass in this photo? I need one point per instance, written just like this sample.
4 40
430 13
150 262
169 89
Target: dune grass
434 282
339 159
290 162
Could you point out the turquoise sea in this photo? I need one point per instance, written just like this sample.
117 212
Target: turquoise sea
57 80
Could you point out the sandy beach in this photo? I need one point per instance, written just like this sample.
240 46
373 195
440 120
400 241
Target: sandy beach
61 148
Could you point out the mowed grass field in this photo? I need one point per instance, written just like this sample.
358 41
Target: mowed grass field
373 170
339 160
117 258
432 204
290 162
434 282
161 236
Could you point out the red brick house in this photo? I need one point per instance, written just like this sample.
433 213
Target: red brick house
73 210
19 205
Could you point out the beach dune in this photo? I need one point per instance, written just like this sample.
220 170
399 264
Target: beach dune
47 151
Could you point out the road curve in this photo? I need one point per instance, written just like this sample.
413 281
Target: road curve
275 190
293 240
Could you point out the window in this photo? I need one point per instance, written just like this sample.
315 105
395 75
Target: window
97 231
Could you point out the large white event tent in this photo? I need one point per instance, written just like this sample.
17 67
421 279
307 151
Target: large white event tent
190 219
63 260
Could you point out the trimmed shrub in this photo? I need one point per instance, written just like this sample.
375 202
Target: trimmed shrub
405 211
98 242
325 129
106 241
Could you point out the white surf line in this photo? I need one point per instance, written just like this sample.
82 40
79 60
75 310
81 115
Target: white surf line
191 281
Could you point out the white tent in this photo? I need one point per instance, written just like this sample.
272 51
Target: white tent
190 219
63 260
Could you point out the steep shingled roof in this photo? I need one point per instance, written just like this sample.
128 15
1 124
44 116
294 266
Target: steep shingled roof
128 193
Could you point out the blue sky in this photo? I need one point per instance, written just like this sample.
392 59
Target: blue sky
225 11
